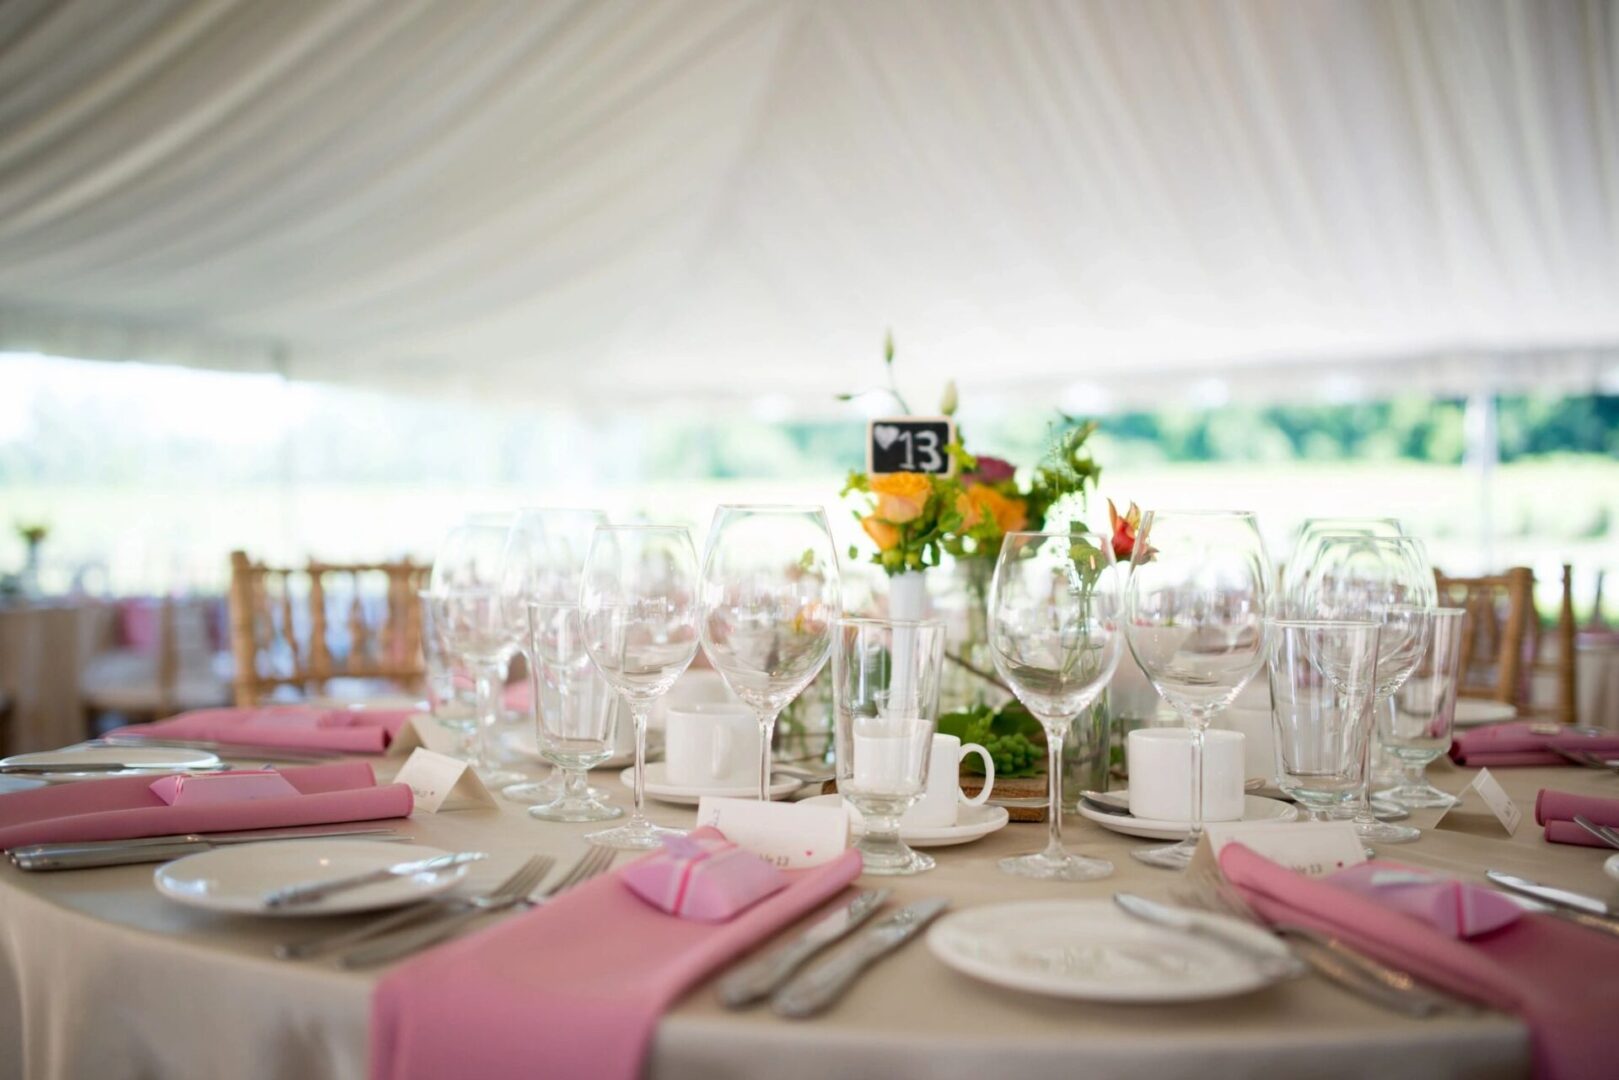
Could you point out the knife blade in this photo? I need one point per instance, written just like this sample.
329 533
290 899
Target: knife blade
757 979
1566 898
818 987
290 755
319 890
88 854
52 768
1272 963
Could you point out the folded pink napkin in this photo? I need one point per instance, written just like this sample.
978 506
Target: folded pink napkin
300 727
1456 908
1515 744
574 988
1562 979
1556 810
126 807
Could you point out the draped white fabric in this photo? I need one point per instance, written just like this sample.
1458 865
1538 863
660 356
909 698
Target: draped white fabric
576 199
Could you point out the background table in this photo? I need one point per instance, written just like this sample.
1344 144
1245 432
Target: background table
44 648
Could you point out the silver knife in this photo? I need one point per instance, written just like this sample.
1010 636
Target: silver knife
319 890
43 769
88 854
817 988
1271 963
759 978
1574 901
290 755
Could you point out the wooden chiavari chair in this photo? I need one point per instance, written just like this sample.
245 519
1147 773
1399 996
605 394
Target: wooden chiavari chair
1499 610
303 626
1561 666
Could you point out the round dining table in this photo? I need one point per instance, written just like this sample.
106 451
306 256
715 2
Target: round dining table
101 976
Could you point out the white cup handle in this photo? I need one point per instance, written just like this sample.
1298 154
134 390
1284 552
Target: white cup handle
989 775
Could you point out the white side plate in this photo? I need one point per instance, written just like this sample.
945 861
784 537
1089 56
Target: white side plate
1255 808
972 822
149 759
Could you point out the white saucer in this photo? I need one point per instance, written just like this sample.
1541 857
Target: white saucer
237 877
150 759
1255 808
1092 951
1611 867
659 787
1472 712
972 822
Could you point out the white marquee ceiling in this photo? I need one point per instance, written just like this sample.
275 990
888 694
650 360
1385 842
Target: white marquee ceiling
684 197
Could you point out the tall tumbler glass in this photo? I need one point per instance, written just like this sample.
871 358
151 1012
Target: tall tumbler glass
1416 727
885 688
575 712
1321 677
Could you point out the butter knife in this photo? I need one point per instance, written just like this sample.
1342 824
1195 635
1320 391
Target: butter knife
818 987
1272 963
88 854
53 768
758 979
319 890
1563 898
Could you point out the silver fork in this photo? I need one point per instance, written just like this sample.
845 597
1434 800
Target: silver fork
1328 956
412 939
1601 832
518 884
1586 758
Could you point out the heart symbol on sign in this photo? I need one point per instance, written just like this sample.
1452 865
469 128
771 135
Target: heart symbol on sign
885 434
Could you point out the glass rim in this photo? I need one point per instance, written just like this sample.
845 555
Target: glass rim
1053 534
871 620
1200 512
1339 624
1403 538
773 508
634 527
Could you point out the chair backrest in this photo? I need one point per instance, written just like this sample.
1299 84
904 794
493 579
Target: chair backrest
1499 610
1561 665
300 626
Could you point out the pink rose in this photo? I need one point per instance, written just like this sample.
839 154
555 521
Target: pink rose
992 470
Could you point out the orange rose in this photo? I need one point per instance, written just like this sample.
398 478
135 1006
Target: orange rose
1010 514
901 496
884 535
971 513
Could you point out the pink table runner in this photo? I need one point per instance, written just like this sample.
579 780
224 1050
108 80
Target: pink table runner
1556 810
300 727
125 807
1514 744
1562 979
572 989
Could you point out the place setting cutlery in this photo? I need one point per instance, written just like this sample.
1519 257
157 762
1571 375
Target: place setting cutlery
756 979
819 986
1587 911
89 854
309 892
238 751
1607 835
1585 758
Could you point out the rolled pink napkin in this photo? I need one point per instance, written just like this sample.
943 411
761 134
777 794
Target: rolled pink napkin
1556 811
1559 977
485 1006
1456 908
126 807
1516 744
295 727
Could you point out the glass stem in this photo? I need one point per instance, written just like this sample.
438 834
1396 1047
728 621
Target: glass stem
767 730
1195 833
1364 813
488 713
1054 790
573 784
638 713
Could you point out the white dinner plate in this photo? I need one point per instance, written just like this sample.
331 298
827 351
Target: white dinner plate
527 743
1254 808
659 787
150 759
1611 867
237 877
1092 951
972 822
1471 712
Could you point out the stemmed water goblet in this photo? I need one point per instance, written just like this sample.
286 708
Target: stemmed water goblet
639 613
477 624
1321 676
1308 546
1055 639
769 602
1386 580
574 712
1195 609
1417 725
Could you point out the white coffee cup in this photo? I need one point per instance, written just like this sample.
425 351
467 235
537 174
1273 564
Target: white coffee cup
711 745
938 805
1160 763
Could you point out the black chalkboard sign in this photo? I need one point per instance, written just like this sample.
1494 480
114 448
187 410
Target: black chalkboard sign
910 444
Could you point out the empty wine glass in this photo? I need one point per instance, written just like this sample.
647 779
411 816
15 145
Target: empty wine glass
1195 608
1054 638
449 689
638 601
885 686
769 601
1416 727
1321 678
574 717
1308 546
1387 580
475 623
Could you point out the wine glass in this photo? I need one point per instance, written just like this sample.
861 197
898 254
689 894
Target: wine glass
1054 638
1308 546
1195 608
885 685
1416 727
574 713
769 602
1386 580
638 602
1321 676
545 554
475 623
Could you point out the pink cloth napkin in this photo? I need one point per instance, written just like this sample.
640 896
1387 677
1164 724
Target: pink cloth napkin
1562 979
1459 909
126 807
1556 810
300 727
572 989
1515 744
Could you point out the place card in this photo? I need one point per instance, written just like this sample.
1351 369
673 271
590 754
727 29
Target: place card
910 444
1503 815
1311 848
441 782
424 731
793 836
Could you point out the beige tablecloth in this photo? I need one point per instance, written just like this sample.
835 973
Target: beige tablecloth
100 976
44 648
